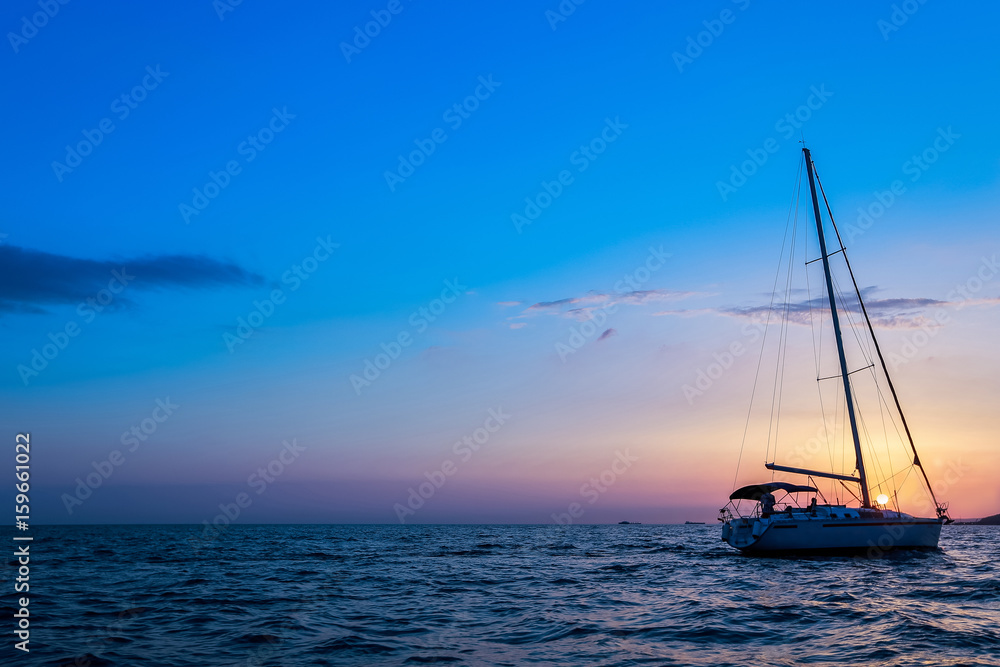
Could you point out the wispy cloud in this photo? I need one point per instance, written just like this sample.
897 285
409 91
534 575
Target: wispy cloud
987 301
580 307
583 308
30 280
891 313
556 305
688 312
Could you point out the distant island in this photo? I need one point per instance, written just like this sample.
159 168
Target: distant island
629 523
988 521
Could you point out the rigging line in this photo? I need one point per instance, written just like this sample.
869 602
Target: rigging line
850 319
784 339
779 361
830 442
892 419
869 441
871 448
868 351
772 420
850 314
818 356
817 350
843 431
908 472
896 488
817 342
878 462
793 207
850 492
812 324
854 328
867 339
885 432
884 410
782 350
856 370
864 341
817 347
819 259
883 403
922 488
888 479
831 438
892 388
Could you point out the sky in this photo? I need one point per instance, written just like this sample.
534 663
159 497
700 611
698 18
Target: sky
403 261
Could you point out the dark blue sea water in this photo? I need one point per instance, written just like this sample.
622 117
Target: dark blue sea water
495 595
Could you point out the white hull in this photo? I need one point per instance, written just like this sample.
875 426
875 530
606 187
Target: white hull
832 529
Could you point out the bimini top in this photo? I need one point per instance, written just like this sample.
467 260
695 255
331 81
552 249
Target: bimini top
755 491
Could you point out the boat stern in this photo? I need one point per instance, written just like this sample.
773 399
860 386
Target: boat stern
743 532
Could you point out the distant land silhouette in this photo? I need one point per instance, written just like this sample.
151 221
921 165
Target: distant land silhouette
988 521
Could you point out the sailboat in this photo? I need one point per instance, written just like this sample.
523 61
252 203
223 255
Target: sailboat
780 520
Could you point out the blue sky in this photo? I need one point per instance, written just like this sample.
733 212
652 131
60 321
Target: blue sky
885 97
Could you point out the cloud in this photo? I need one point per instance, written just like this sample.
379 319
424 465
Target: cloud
987 301
894 313
584 305
33 279
688 312
507 304
608 333
543 305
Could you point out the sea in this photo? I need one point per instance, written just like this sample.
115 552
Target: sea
492 595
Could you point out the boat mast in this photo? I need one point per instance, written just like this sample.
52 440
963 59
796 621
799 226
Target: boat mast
866 501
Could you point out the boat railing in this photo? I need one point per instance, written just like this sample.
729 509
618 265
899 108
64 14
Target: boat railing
733 511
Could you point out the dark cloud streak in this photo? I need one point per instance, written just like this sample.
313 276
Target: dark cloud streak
887 313
33 279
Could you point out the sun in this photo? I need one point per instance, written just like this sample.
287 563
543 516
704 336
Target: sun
882 499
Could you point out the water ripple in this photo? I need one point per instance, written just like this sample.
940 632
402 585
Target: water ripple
497 595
